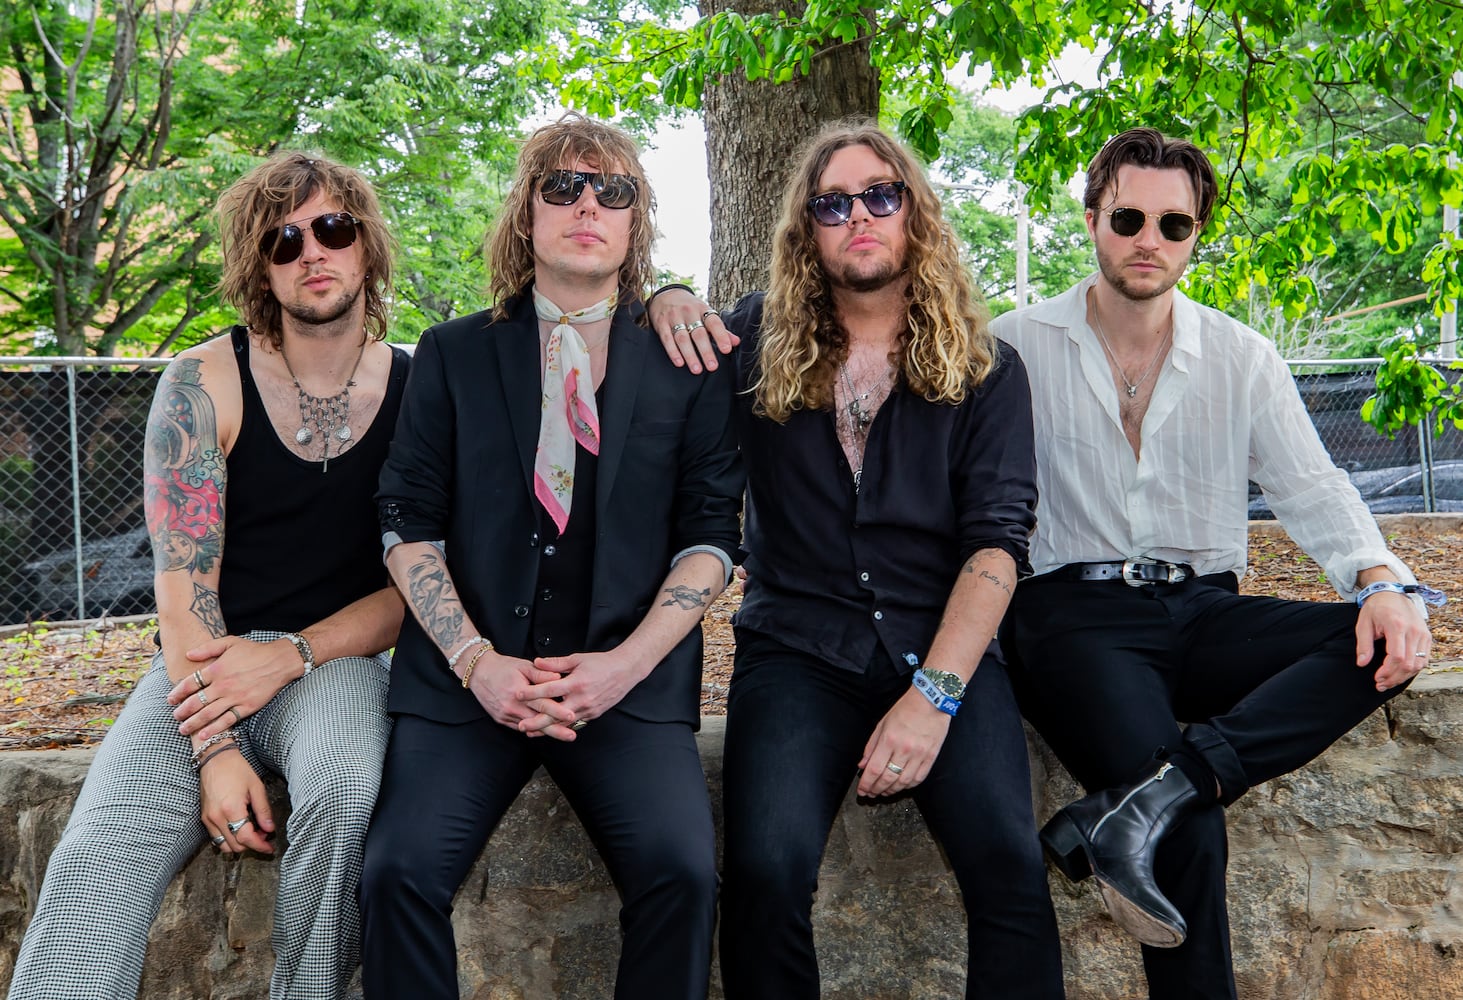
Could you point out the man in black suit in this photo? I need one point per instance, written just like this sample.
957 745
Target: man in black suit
559 508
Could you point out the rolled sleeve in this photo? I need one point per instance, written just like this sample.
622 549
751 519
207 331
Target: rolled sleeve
416 480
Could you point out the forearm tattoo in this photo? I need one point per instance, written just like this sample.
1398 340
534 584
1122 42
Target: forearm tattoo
973 566
687 598
183 484
434 600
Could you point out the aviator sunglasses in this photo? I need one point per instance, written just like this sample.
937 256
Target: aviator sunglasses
1175 226
836 207
563 187
333 231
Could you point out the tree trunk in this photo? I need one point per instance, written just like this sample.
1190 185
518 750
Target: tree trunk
753 131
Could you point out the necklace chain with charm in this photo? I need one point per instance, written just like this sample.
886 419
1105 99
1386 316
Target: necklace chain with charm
327 416
1131 387
856 415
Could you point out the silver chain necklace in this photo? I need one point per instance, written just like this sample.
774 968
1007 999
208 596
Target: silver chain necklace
1132 387
860 416
328 416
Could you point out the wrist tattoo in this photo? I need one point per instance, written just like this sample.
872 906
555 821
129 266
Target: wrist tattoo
687 598
206 609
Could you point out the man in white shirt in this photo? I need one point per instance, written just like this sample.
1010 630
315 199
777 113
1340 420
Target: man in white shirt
1163 691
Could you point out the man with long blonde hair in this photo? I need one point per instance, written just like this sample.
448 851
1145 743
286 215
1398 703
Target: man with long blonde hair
891 488
559 508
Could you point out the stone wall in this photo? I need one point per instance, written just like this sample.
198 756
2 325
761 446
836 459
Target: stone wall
1343 877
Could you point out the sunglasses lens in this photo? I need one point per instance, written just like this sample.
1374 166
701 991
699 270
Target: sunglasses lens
335 230
562 187
1175 226
883 199
613 190
831 209
1127 221
285 244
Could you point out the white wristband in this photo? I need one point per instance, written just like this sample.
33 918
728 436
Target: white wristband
452 660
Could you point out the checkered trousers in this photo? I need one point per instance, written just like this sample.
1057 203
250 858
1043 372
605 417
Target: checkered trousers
136 824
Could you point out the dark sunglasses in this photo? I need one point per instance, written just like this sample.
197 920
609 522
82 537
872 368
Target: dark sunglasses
563 187
1175 226
333 231
836 207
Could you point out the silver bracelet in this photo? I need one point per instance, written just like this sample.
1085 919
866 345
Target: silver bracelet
452 660
302 645
213 741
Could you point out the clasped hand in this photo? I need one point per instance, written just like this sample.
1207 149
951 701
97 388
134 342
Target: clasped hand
239 677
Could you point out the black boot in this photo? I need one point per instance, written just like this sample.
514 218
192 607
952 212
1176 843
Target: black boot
1113 834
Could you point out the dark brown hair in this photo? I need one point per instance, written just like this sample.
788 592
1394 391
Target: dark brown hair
259 202
1148 147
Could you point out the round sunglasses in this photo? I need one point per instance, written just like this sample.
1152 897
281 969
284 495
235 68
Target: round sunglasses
564 187
1175 226
836 207
333 231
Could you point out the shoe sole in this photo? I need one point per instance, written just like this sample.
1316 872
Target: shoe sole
1137 921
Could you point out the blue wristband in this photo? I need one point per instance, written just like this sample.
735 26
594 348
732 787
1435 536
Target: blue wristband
936 697
1432 598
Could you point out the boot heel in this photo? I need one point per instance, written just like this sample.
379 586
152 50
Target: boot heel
1066 846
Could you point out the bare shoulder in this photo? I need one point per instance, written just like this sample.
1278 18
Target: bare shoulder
211 372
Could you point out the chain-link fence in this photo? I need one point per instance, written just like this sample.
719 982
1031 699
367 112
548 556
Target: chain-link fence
73 542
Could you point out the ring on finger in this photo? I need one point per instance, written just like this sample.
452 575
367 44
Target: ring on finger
709 312
578 724
1423 655
238 825
679 328
237 717
217 841
895 768
695 325
198 676
202 698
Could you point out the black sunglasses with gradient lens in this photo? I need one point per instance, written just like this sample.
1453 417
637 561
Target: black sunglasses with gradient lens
333 231
836 207
1175 226
563 187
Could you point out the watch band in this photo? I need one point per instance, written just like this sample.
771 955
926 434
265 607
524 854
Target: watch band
935 696
303 645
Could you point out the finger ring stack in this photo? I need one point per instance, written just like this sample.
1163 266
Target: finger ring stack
202 698
895 768
217 841
679 328
238 825
578 724
198 676
709 312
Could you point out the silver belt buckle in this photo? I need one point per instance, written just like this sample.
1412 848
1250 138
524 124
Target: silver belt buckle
1131 567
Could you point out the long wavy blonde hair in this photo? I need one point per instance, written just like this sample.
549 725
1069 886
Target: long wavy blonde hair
946 347
258 203
509 247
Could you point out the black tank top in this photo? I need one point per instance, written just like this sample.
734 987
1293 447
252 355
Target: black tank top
300 543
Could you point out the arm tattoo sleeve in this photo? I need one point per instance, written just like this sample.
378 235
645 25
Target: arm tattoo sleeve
434 599
687 598
183 484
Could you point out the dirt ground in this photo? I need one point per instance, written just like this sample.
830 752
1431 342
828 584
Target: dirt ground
62 685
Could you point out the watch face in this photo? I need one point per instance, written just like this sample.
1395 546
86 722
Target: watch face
949 683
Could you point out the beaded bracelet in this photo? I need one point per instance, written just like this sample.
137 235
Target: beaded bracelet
452 660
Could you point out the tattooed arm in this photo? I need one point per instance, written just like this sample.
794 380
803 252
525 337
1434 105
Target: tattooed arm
593 683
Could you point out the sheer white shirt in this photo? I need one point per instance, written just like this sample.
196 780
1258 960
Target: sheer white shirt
1225 410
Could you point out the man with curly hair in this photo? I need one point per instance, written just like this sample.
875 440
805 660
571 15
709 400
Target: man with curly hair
891 489
272 645
559 508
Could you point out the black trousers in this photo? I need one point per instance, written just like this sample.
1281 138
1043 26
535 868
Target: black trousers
796 728
638 788
1107 672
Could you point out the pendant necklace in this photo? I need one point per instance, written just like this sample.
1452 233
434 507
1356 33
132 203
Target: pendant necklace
328 416
1132 387
860 415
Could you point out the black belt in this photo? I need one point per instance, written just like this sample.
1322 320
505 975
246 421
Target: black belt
1133 572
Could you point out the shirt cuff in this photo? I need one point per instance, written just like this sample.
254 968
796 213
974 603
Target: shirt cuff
391 540
711 550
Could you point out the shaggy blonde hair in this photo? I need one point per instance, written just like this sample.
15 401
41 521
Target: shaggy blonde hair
509 247
257 204
946 347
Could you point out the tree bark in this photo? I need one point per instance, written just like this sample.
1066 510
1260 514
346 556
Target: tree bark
753 132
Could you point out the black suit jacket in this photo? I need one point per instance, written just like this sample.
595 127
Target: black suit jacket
460 469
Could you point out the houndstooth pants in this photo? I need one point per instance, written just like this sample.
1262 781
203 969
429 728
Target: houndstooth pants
136 824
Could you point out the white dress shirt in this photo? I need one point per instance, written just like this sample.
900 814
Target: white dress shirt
1225 410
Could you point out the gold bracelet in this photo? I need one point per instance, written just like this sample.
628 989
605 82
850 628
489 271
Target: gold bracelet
473 661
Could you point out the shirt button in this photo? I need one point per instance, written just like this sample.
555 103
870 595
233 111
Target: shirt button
547 595
864 577
878 616
543 642
533 540
550 550
521 611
